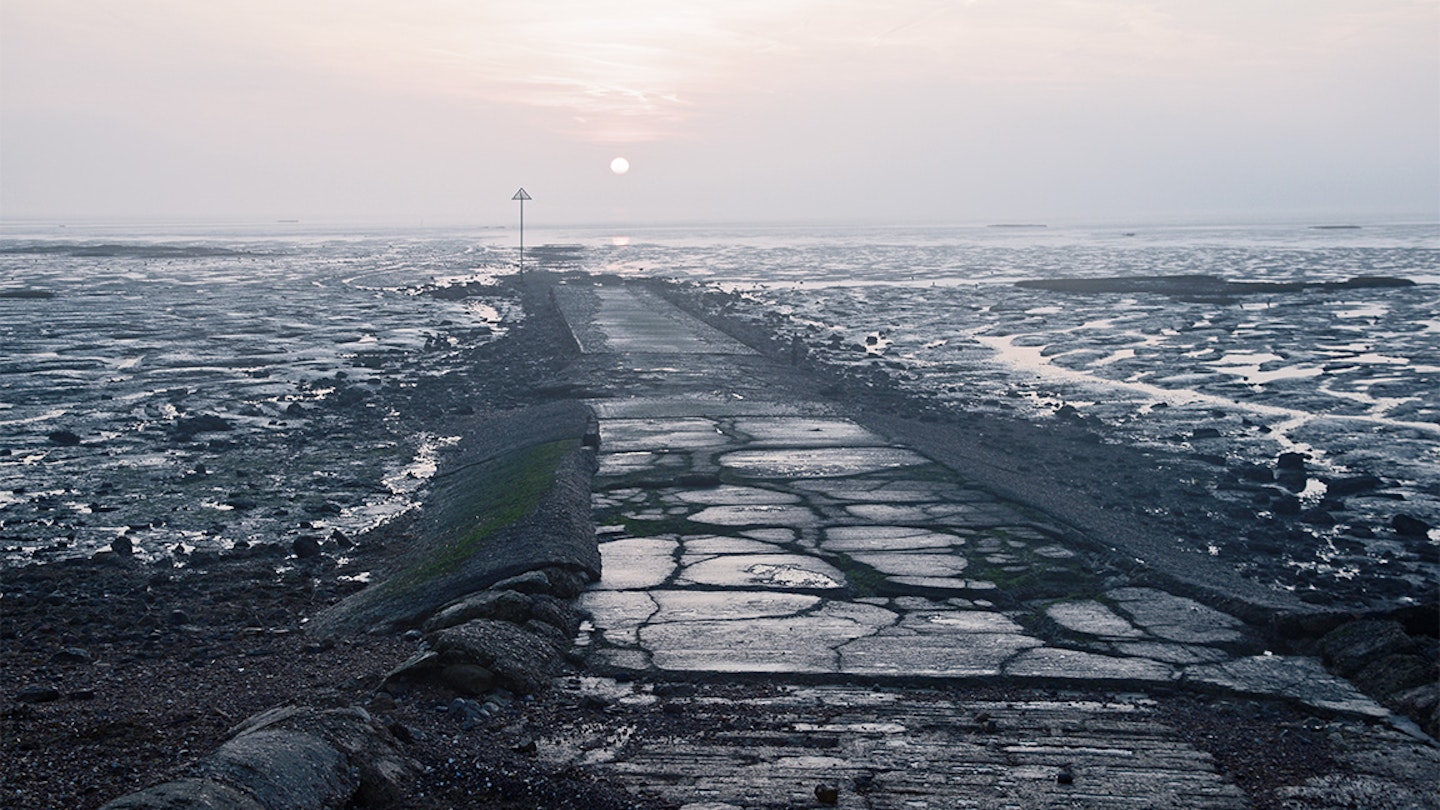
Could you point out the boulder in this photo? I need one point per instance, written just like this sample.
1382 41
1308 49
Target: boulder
1409 526
1352 485
283 768
507 606
289 758
522 661
64 438
528 582
202 423
186 794
1291 461
1351 647
468 679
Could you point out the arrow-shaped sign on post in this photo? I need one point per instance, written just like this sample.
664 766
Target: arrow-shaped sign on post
521 196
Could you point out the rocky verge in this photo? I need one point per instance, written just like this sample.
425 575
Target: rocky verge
126 673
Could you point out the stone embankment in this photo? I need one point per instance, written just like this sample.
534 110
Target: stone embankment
492 566
780 599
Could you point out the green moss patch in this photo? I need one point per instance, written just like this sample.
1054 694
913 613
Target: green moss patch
479 502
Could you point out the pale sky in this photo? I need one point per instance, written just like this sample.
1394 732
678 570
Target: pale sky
918 111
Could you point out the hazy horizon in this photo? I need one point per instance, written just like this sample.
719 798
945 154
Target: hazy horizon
776 112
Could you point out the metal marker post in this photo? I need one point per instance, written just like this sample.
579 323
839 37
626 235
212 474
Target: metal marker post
522 197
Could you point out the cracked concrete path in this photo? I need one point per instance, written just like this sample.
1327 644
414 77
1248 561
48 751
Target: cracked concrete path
744 534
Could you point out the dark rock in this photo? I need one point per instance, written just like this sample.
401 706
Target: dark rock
1396 673
37 693
1293 480
467 711
1258 473
186 794
1069 412
567 583
508 606
1205 433
1409 526
283 768
1351 647
1291 461
468 679
421 663
557 637
306 545
556 613
123 546
1066 776
72 655
64 438
1288 505
202 423
520 660
1316 516
827 794
528 582
1351 485
340 539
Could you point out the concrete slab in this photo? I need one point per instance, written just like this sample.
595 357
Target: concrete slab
1052 662
805 432
1303 679
633 563
947 655
1091 618
696 405
689 606
913 564
633 321
712 545
825 462
617 615
886 538
780 571
798 644
887 490
1172 653
1176 618
730 494
758 514
674 433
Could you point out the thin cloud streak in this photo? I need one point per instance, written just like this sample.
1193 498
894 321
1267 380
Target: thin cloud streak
799 92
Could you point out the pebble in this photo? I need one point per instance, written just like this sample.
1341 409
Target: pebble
38 693
71 655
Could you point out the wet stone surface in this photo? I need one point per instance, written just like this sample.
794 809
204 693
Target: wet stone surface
747 539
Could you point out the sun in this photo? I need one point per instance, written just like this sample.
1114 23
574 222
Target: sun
619 165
